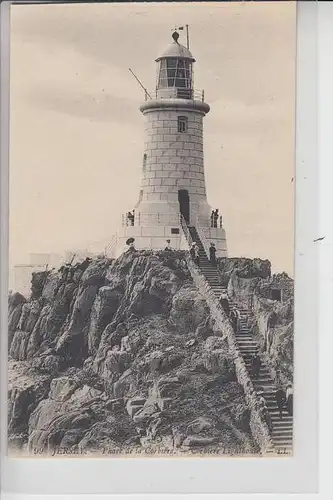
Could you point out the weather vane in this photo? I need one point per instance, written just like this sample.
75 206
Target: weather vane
181 28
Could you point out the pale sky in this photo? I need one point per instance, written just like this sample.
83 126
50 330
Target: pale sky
77 132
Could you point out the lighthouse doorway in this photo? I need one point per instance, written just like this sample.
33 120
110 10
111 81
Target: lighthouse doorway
184 204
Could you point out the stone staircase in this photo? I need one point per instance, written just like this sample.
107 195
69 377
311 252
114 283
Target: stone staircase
206 267
282 429
282 432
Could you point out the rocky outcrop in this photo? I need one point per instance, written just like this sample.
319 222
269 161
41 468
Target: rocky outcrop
243 268
272 320
26 388
124 356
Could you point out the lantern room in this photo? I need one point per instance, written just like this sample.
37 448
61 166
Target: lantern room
175 72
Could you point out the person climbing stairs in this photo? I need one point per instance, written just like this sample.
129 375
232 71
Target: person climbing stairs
282 432
282 429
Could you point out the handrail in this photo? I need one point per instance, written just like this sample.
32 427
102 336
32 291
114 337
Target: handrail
203 239
180 93
110 247
258 426
186 230
159 219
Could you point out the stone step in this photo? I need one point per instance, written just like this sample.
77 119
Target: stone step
285 418
281 441
246 339
282 430
283 425
287 434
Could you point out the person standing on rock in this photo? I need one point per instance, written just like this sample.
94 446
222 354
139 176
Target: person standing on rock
130 243
168 247
289 397
212 252
280 398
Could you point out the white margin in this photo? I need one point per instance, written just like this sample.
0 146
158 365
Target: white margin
253 476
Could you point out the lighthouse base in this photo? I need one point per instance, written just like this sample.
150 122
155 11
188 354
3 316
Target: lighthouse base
151 238
155 238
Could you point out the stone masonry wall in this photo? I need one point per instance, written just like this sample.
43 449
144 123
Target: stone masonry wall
174 160
258 426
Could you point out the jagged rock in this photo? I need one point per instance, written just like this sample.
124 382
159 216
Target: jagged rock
122 385
95 274
115 405
19 345
244 268
62 388
115 362
116 433
25 390
48 363
39 332
14 300
105 305
15 304
38 281
125 331
189 309
166 387
73 342
67 408
217 359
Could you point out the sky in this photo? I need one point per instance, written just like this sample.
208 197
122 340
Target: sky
76 132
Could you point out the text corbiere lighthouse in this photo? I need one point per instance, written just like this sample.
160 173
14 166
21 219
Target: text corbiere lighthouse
173 189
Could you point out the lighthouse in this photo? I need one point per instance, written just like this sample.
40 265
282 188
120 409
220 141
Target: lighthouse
173 195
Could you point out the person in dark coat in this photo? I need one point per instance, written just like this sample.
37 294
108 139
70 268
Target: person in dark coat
289 396
216 216
225 303
267 418
234 320
197 255
212 252
256 365
212 218
280 398
192 251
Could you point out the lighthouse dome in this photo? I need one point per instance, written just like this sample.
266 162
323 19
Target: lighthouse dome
177 50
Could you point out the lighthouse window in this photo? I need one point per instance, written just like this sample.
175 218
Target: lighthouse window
174 72
182 124
144 162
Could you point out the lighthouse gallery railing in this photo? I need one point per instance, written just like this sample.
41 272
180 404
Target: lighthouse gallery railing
179 93
144 219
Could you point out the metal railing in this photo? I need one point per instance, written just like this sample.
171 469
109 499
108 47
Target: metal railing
108 250
203 238
186 231
144 219
174 92
209 222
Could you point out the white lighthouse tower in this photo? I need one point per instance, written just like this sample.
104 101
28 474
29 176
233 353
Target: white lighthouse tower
173 189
